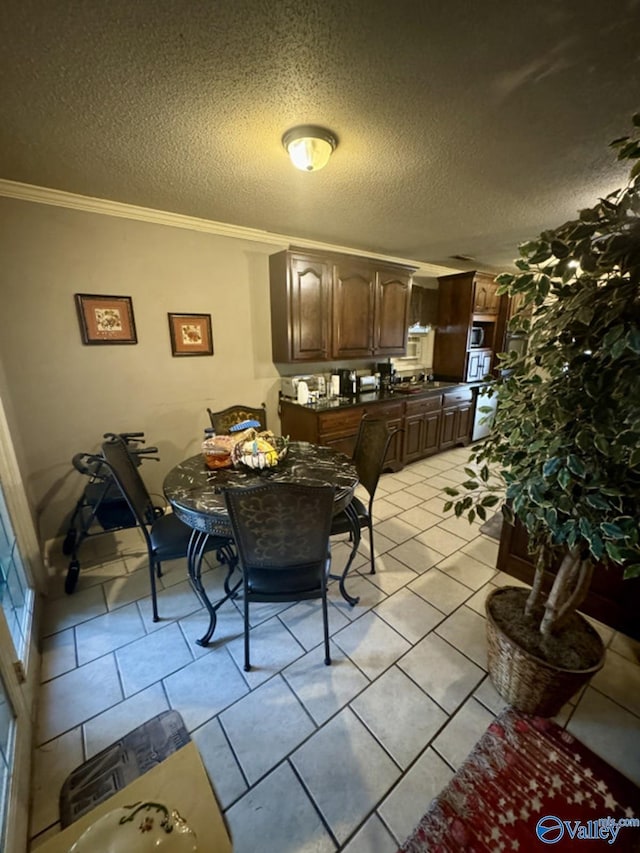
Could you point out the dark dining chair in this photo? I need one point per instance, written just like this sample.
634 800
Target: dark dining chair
281 531
369 454
223 420
167 537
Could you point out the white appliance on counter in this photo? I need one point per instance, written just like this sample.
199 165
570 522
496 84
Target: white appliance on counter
315 384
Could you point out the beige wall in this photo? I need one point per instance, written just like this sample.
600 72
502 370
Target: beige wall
64 395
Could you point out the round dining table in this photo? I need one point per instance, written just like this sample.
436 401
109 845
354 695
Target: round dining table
196 495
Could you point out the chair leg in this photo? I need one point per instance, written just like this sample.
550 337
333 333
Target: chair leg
153 566
247 663
325 619
373 563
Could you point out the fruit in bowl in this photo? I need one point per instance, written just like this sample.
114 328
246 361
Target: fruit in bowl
263 450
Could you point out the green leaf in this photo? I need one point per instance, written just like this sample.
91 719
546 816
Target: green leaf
632 571
576 466
447 506
614 552
449 490
585 527
597 502
482 513
585 315
612 531
596 546
551 466
489 500
564 478
472 515
504 278
559 249
633 340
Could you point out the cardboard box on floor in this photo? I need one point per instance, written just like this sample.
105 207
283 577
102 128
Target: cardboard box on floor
179 782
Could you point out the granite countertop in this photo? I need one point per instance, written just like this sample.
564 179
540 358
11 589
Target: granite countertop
418 389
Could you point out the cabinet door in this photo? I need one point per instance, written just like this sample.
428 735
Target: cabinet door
473 370
462 423
310 289
485 297
353 310
413 437
479 364
431 433
447 429
392 303
485 364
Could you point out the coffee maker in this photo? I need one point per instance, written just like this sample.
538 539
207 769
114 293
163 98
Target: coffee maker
347 382
385 369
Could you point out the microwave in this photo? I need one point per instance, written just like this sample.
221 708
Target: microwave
476 338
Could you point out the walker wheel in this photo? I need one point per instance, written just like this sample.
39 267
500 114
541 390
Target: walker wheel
72 577
69 542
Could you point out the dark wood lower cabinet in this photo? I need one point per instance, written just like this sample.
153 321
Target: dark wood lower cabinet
457 418
425 424
611 599
422 428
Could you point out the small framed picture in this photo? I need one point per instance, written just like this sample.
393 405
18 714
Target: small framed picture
191 334
106 319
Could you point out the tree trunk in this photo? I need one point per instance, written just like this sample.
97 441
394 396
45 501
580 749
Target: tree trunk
569 590
535 595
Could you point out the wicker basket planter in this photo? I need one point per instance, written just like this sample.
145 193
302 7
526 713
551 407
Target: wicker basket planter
527 682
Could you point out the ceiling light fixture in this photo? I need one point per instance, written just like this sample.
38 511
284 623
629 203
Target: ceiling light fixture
309 147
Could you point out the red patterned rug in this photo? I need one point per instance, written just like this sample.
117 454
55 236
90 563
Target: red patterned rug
529 785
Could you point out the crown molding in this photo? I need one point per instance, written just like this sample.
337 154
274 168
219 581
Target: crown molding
106 207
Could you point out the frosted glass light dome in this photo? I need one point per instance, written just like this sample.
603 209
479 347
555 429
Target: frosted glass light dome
309 147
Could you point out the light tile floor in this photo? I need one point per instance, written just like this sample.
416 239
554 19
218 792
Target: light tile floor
305 757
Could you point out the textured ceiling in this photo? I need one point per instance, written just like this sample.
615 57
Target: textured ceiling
464 127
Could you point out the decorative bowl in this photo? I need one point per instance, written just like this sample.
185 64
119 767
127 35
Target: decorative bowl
259 453
138 828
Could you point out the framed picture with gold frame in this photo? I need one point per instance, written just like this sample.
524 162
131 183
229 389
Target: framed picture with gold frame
190 334
106 319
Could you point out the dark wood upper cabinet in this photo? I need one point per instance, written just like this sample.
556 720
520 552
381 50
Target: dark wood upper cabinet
392 302
485 297
300 307
326 307
465 300
354 291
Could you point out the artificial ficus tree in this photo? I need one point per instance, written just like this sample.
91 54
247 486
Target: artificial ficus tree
565 442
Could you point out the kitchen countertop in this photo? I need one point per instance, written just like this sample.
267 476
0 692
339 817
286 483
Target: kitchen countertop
422 389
